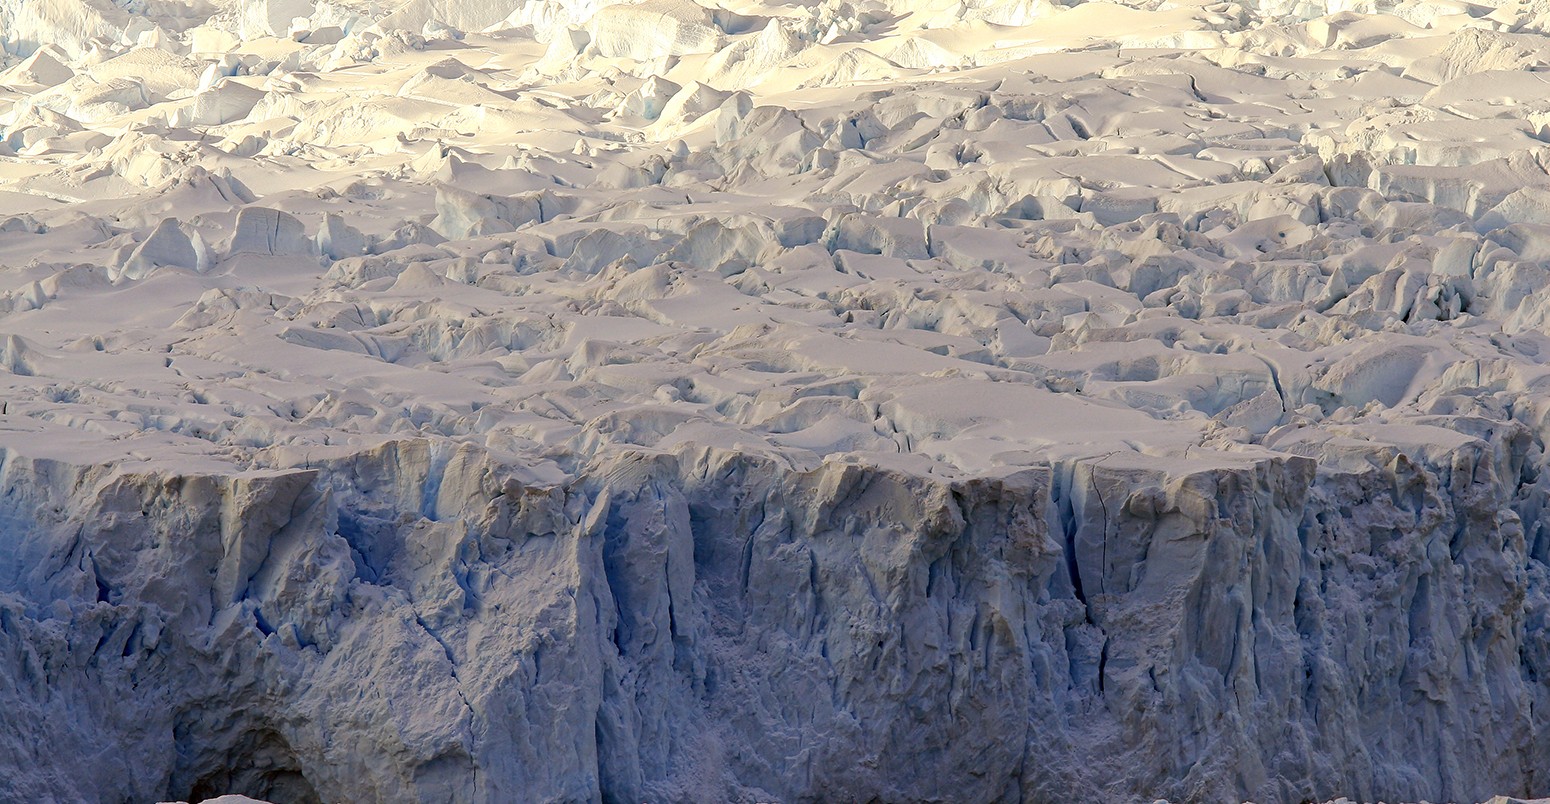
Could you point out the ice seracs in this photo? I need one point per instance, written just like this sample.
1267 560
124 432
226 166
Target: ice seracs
260 230
167 245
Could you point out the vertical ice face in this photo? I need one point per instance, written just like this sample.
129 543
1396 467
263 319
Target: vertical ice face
269 232
407 625
667 401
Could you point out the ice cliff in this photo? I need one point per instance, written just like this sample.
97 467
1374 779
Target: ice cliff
407 624
669 401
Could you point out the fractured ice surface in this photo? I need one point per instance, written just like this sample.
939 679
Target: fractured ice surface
875 400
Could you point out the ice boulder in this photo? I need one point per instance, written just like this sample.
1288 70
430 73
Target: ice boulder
1524 205
902 238
418 15
44 68
77 27
650 98
689 103
602 248
1385 371
721 246
918 52
461 214
653 29
224 102
270 232
167 246
158 72
33 124
749 60
564 48
1474 50
259 18
338 240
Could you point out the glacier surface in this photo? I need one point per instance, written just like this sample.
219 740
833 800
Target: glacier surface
896 400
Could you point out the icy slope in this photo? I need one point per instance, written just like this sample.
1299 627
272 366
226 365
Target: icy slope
662 401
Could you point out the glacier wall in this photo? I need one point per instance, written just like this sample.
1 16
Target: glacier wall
417 623
1002 400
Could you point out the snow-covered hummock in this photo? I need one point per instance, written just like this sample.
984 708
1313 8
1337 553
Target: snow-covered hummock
999 400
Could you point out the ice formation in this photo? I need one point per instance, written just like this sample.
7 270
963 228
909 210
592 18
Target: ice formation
971 400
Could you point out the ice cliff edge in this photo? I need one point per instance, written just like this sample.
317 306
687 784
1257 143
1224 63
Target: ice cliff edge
408 623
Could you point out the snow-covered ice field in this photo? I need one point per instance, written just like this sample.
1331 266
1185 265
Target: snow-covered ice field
897 400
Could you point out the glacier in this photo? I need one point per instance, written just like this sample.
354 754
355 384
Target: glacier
707 624
879 400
